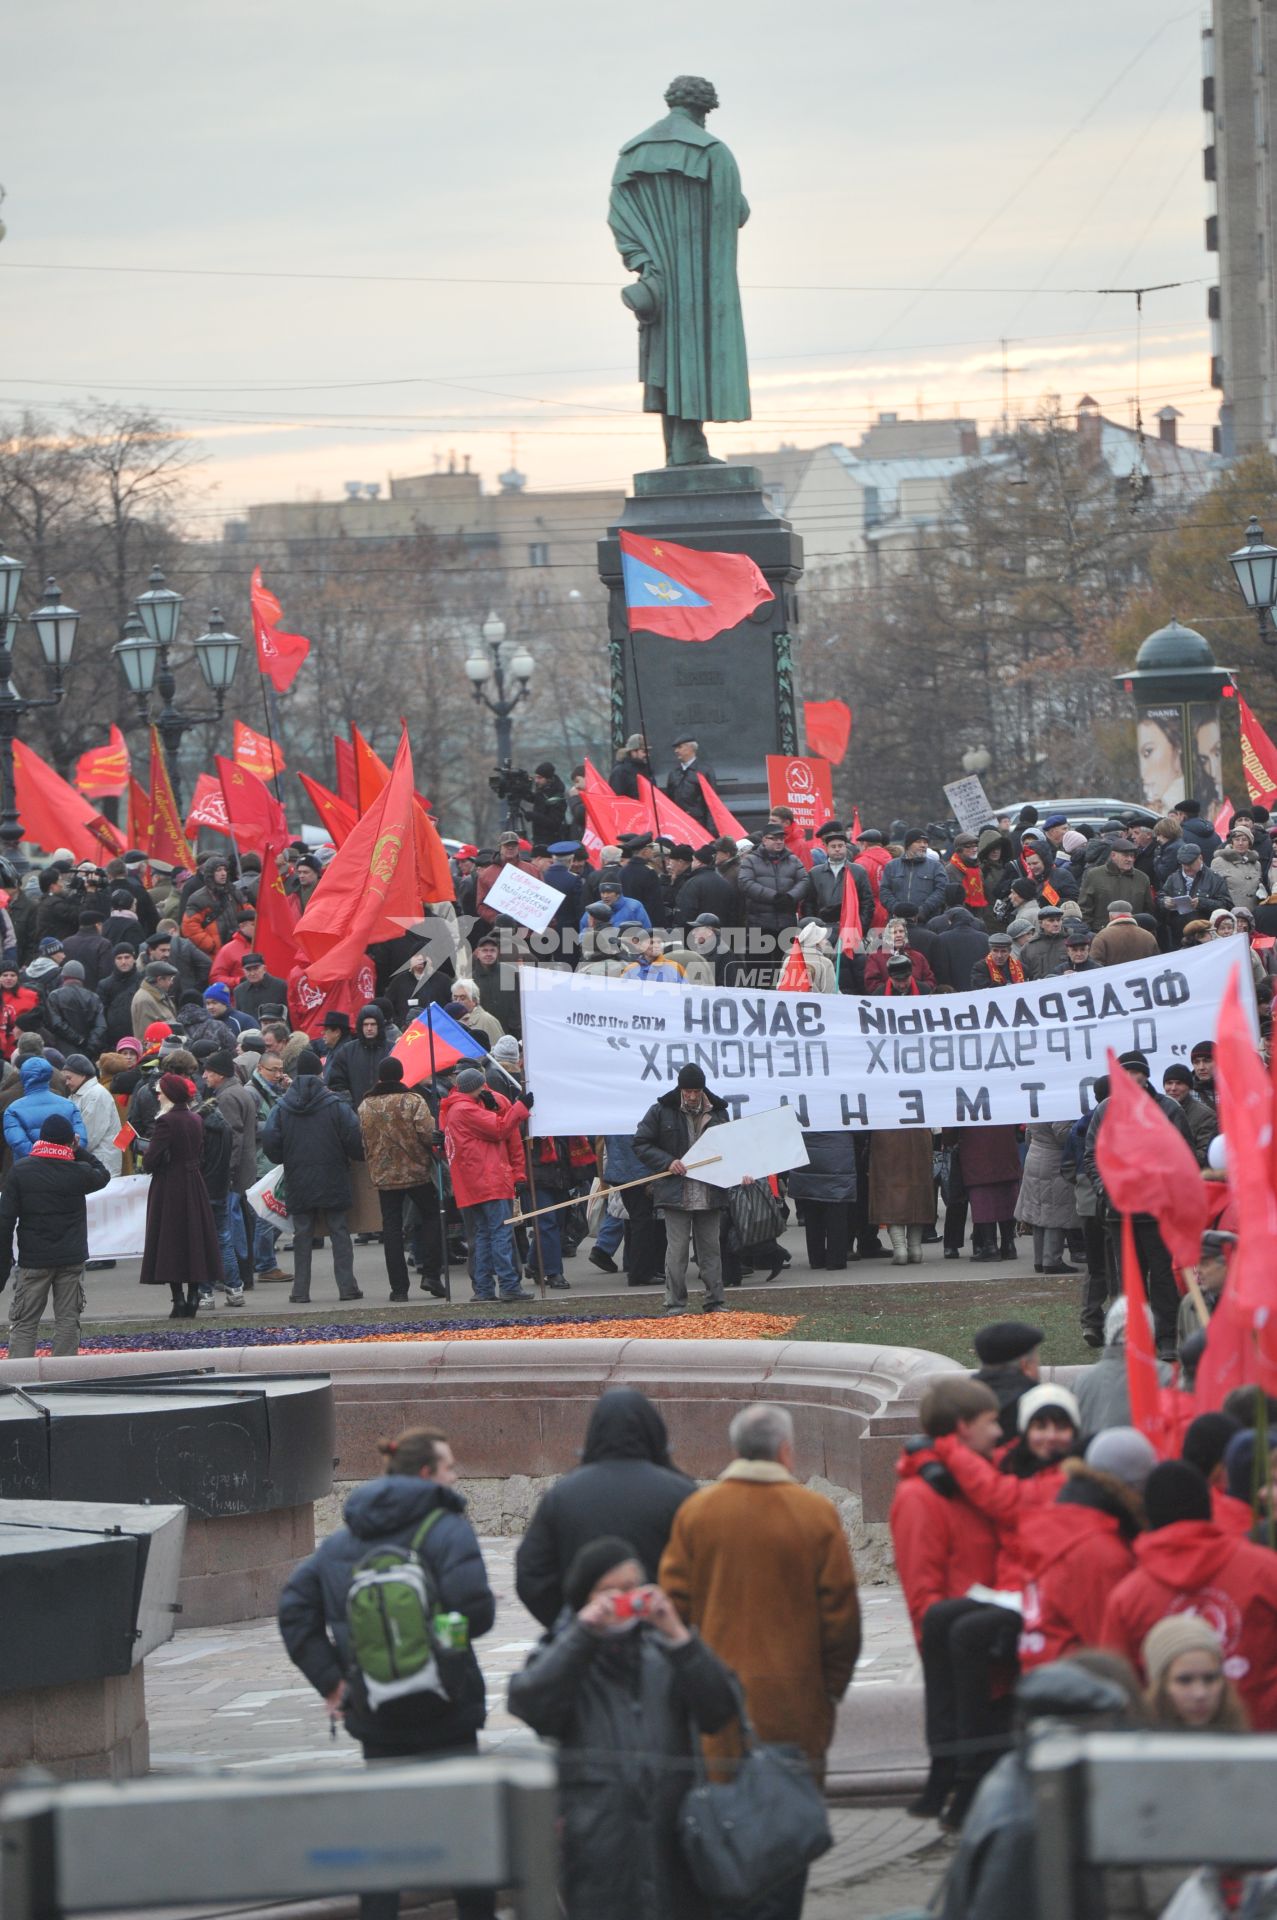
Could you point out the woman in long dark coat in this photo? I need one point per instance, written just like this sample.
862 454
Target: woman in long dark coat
181 1250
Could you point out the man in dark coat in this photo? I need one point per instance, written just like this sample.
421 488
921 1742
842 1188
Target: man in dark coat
625 1471
258 988
706 890
683 784
117 990
631 762
560 876
1010 1354
238 1107
316 1136
73 1015
773 882
547 812
961 941
829 882
90 947
670 1133
417 1484
58 915
915 878
1192 892
43 1197
352 1070
639 879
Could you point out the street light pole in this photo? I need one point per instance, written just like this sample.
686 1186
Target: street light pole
55 626
1255 567
481 669
144 657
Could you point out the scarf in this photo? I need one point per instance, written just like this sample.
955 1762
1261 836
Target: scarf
972 884
901 993
999 979
50 1150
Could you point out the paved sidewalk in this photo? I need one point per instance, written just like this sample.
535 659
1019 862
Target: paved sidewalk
227 1698
116 1295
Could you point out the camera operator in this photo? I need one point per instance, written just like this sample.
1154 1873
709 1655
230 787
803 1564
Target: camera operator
547 815
58 915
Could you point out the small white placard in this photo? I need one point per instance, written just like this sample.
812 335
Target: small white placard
969 803
524 898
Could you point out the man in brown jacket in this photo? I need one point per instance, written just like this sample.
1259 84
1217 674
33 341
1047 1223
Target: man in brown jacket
399 1135
760 1566
1122 941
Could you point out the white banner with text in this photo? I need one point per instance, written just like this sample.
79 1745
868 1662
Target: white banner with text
599 1050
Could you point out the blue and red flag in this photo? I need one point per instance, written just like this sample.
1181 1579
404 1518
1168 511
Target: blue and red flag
451 1043
685 595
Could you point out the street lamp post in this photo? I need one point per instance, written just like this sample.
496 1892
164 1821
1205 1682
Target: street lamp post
143 654
1255 566
480 668
55 626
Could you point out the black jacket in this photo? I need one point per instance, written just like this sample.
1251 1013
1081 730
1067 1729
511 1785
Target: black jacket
626 1481
316 1136
218 1155
643 883
960 942
116 996
773 887
624 777
827 888
706 890
76 1019
270 991
684 789
623 1709
94 953
44 1199
547 812
312 1610
352 1070
663 1136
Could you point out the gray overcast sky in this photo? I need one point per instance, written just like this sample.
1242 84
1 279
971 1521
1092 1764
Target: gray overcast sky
396 137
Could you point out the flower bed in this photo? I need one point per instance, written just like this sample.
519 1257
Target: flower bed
727 1325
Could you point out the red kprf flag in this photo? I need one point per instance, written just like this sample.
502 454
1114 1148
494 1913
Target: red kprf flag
280 656
255 815
167 840
103 772
208 807
257 752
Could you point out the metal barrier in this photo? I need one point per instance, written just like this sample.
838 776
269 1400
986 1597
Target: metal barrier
1147 1799
487 1822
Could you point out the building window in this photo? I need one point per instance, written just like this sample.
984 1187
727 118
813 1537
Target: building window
1259 118
539 554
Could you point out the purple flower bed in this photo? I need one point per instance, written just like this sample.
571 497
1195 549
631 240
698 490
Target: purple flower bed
183 1339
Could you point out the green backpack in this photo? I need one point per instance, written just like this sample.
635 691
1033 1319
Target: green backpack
390 1608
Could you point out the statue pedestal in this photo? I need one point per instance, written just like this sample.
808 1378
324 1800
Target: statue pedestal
736 692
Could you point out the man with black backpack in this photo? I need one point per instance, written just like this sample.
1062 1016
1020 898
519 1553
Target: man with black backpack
382 1617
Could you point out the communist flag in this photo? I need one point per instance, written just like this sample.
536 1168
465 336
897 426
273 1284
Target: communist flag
371 771
334 814
104 771
347 776
255 815
434 1040
167 840
139 816
280 656
257 752
275 936
1259 757
53 814
369 888
725 821
208 807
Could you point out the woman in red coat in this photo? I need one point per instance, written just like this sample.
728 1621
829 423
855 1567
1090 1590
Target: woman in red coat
181 1249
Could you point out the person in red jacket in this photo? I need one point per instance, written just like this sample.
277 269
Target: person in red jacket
1027 1475
478 1126
14 1000
1077 1549
1186 1564
228 961
943 1546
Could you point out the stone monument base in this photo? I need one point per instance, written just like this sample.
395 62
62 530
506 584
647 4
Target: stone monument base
233 1567
86 1730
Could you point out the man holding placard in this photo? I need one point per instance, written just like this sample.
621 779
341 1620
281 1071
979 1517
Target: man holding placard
671 1135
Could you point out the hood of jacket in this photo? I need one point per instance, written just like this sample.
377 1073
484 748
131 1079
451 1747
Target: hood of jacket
306 1093
1063 1691
625 1426
1186 1555
960 917
387 1505
920 1461
36 1073
1201 831
370 1012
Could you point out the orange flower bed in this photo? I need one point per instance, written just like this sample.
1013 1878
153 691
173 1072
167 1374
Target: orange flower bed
691 1326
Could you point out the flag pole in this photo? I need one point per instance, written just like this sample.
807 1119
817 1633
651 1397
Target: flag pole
443 1208
638 702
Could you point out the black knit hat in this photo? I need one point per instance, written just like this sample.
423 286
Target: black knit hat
221 1063
390 1073
1176 1491
589 1565
58 1131
308 1062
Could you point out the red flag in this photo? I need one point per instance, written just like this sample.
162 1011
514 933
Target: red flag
1147 1166
334 814
856 828
124 1138
279 655
167 841
257 752
103 772
851 932
347 777
1143 1387
666 820
1223 819
725 821
275 936
1259 757
795 975
434 873
255 815
828 725
208 807
139 816
611 814
371 771
369 885
53 814
685 594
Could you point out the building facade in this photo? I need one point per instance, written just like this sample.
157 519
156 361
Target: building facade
1239 60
